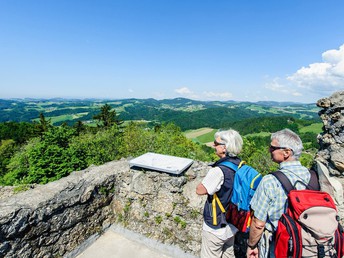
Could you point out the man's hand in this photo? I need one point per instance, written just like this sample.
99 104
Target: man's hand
256 231
252 253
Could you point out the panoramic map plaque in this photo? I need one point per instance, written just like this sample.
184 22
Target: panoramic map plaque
164 163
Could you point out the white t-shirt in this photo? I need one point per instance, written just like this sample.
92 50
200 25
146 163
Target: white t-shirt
213 182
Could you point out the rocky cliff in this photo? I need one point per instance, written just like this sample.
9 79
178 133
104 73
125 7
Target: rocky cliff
331 140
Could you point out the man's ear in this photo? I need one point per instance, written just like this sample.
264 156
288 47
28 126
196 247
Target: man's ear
287 154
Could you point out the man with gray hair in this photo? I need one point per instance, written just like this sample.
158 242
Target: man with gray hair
269 202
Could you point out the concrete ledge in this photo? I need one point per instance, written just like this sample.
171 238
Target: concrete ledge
120 242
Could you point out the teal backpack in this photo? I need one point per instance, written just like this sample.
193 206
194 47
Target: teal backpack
246 181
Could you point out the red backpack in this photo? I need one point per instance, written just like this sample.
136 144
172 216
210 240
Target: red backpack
310 226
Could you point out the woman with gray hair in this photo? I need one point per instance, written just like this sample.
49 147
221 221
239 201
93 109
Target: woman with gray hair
218 235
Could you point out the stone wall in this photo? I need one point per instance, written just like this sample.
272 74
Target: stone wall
51 220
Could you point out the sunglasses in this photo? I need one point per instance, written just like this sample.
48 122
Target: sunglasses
216 143
273 148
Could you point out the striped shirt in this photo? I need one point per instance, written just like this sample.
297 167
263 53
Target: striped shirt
269 200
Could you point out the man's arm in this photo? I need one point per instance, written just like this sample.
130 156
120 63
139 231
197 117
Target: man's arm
201 190
256 231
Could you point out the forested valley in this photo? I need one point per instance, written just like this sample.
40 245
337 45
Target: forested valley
36 150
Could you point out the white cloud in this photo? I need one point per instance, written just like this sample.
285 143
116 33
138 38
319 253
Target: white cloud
217 95
322 77
186 93
130 90
277 86
183 91
206 95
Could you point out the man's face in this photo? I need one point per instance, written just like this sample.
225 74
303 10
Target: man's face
277 155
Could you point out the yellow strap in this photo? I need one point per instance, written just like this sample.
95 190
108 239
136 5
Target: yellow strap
241 163
216 200
214 211
254 179
220 204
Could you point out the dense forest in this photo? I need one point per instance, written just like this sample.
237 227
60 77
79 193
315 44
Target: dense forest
38 151
185 113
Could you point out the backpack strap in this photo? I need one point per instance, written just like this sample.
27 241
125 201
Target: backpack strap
217 201
230 165
314 181
284 180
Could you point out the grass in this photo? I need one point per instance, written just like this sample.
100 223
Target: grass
313 128
260 134
62 118
257 108
191 134
202 135
208 137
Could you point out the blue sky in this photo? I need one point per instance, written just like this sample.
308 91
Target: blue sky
207 50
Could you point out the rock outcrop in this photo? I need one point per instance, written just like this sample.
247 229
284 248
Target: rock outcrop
331 140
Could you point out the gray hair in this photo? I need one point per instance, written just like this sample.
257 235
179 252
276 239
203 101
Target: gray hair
233 141
288 139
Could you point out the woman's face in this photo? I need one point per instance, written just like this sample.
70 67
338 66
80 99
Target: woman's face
220 147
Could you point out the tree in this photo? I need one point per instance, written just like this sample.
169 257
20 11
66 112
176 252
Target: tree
52 158
18 167
79 127
43 125
19 132
168 139
45 159
7 149
107 117
98 148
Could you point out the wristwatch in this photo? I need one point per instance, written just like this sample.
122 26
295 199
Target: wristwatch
251 246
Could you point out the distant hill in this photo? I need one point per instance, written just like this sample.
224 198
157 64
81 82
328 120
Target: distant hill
186 113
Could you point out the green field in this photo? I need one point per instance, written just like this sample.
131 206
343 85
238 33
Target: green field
62 118
191 134
206 138
202 135
261 134
313 128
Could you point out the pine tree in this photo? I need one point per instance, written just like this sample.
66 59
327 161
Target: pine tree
107 117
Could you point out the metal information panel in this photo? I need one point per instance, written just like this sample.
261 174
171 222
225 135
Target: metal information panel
165 163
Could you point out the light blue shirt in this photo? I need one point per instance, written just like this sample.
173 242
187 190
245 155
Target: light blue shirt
269 200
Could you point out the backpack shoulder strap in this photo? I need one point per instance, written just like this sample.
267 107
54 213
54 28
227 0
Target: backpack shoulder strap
314 181
229 165
284 180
